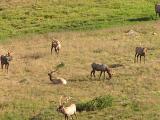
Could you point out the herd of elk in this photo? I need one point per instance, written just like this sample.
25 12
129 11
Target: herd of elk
69 111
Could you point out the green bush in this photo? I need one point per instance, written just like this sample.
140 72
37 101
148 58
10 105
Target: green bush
61 65
96 104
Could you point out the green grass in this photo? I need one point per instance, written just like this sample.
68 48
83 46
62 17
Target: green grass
21 18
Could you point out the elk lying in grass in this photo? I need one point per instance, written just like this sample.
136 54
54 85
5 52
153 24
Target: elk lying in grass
5 59
157 9
139 52
56 45
102 68
67 111
56 80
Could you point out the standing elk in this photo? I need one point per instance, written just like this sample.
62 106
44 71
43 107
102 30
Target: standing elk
67 111
102 68
157 9
139 52
56 45
56 80
5 59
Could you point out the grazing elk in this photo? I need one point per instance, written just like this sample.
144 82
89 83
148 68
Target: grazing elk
139 52
5 59
67 111
56 45
56 80
157 9
102 68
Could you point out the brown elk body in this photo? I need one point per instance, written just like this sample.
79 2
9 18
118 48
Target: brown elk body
139 52
102 68
157 9
56 80
56 45
5 59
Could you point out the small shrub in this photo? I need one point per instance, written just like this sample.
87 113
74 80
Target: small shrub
135 106
96 104
60 65
98 50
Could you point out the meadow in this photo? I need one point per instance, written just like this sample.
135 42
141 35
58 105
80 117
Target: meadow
24 17
27 93
90 31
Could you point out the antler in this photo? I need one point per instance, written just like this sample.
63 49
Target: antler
67 99
60 100
52 71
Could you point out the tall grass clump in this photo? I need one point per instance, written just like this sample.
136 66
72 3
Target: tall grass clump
96 104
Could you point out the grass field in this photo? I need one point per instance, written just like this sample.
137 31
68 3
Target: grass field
26 92
21 17
90 31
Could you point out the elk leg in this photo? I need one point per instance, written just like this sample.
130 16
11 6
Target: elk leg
57 48
91 73
66 117
135 58
140 58
72 117
51 49
109 74
104 74
100 74
75 115
7 67
2 66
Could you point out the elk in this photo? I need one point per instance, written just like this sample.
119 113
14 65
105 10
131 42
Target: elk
56 45
68 111
139 52
5 59
157 9
56 80
102 68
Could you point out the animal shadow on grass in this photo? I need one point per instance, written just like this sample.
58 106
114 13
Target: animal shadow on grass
115 65
141 19
79 79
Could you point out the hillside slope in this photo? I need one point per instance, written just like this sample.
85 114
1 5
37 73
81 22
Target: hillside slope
20 17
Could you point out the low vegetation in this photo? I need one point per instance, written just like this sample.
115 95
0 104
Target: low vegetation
96 104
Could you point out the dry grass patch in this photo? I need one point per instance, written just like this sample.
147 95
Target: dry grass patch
26 91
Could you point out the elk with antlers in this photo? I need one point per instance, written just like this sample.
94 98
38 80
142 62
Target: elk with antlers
67 111
56 80
139 52
5 59
56 45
